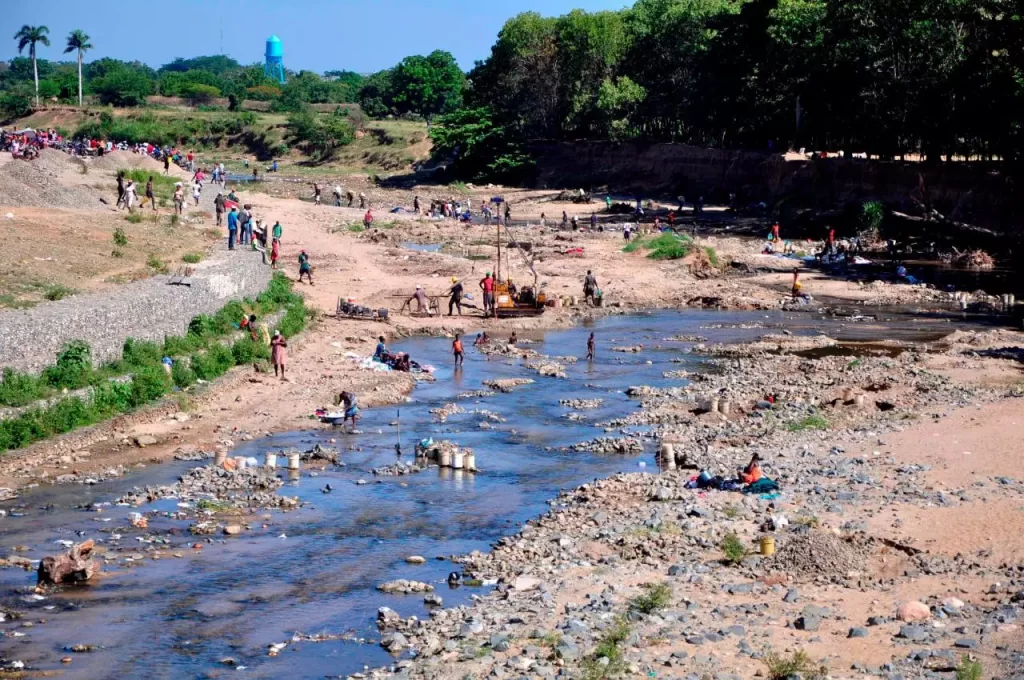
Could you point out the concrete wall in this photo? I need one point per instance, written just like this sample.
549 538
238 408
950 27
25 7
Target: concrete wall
147 310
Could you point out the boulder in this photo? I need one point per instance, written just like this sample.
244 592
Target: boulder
75 566
913 611
523 583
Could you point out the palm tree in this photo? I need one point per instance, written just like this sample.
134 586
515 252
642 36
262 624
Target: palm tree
30 35
78 40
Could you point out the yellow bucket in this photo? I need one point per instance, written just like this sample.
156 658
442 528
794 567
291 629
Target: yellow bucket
767 545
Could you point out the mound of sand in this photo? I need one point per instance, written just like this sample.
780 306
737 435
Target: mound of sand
41 183
126 160
816 553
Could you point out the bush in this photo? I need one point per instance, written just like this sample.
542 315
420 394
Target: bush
149 384
656 596
200 326
156 264
799 664
245 351
120 238
133 218
191 258
73 368
14 105
137 353
812 422
58 292
19 389
732 548
608 648
968 669
182 374
871 217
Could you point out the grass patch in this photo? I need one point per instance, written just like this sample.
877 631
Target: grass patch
667 246
214 506
192 258
58 292
713 257
156 264
731 512
355 227
656 596
163 185
117 253
200 354
811 422
609 647
133 218
733 550
968 669
782 667
120 238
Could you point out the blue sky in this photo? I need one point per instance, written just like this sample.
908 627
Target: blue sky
320 35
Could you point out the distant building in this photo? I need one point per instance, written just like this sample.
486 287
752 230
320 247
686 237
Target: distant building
274 65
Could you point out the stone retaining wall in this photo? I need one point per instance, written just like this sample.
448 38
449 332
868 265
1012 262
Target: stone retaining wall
146 310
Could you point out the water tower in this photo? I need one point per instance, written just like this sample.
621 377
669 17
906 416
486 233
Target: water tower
274 66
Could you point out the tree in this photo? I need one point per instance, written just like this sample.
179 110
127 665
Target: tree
78 40
427 86
28 36
374 95
320 137
123 87
479 146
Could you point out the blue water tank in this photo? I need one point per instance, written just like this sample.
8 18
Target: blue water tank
274 48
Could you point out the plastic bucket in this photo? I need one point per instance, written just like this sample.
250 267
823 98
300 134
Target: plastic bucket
458 460
219 457
470 462
270 460
444 459
767 545
293 461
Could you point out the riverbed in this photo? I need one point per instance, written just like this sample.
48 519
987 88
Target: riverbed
314 570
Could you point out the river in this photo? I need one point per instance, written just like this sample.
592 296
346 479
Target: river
315 569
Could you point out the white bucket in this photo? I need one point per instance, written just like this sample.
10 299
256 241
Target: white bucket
241 463
724 407
714 405
293 461
858 400
219 457
270 459
458 460
444 458
847 394
470 462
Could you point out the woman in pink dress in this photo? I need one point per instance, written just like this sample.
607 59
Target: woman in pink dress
278 353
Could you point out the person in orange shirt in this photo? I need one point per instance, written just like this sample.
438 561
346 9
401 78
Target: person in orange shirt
752 472
457 350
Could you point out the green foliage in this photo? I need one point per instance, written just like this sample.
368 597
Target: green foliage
156 264
608 647
871 217
19 389
58 292
481 148
200 354
321 136
120 238
656 596
667 246
968 669
14 105
799 664
712 257
733 550
123 87
192 258
426 86
814 421
133 218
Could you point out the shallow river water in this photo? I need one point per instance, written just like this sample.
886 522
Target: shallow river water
315 569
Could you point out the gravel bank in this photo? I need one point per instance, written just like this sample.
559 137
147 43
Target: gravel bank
147 310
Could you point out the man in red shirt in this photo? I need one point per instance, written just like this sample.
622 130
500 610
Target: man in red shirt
487 285
368 219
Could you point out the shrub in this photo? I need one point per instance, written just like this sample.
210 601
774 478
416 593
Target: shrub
156 264
191 258
968 669
812 422
120 238
200 326
134 218
58 292
141 353
669 247
116 252
608 648
245 351
182 374
149 384
871 217
782 667
73 368
656 596
18 389
111 398
732 548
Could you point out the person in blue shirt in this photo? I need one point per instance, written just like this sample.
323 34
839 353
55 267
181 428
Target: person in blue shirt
381 352
232 227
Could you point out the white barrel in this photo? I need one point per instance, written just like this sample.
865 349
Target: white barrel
293 461
469 462
668 453
444 458
219 457
270 459
858 400
241 463
724 407
847 393
458 460
714 405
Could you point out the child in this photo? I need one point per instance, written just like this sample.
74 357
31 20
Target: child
275 251
457 351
